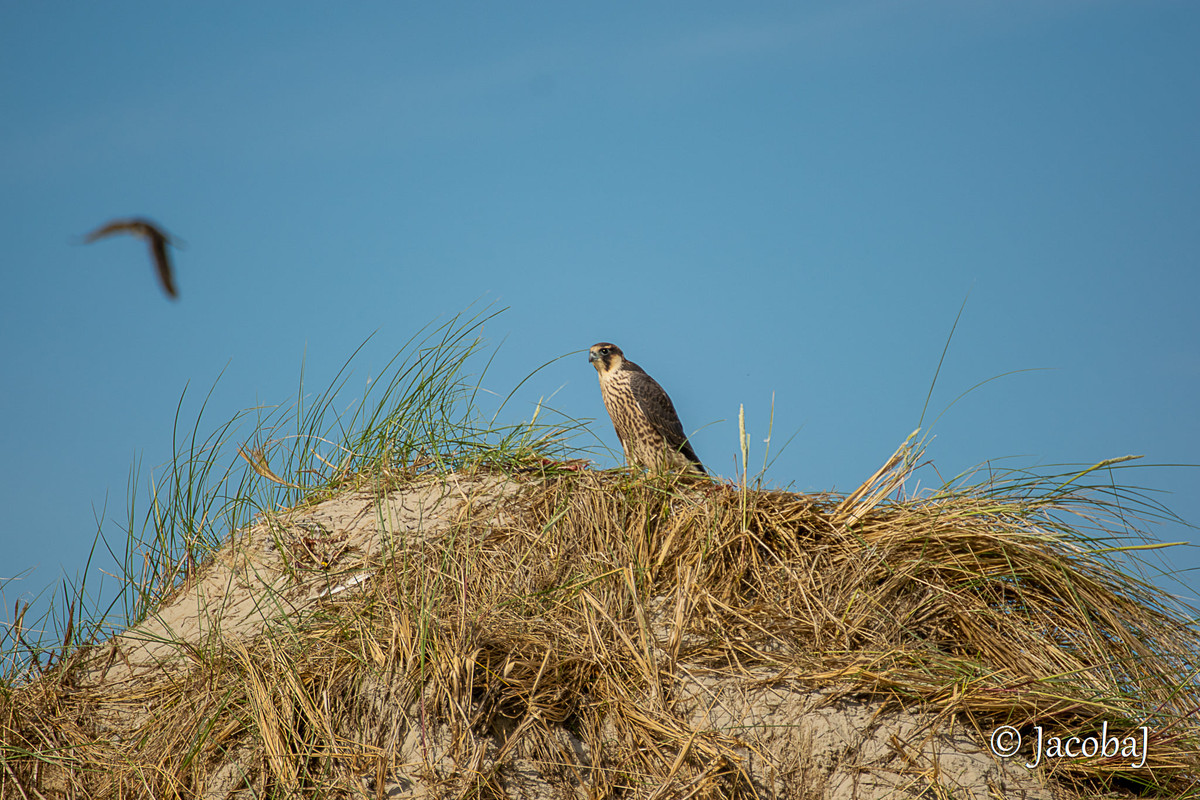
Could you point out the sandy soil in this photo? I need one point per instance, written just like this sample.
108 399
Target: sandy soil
794 744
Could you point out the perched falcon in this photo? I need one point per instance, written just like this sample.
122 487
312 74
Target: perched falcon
144 229
645 419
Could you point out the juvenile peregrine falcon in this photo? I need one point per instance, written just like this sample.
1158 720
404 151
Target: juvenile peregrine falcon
645 419
144 229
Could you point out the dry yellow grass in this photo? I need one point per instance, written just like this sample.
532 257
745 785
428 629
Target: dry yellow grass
564 625
452 610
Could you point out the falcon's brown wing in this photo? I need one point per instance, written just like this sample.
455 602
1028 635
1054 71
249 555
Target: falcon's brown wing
654 402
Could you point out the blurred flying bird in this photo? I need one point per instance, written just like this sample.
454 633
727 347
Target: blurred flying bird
158 239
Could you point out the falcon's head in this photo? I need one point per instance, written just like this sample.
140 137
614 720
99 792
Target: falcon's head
605 357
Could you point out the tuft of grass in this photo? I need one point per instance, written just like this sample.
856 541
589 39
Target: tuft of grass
538 617
419 415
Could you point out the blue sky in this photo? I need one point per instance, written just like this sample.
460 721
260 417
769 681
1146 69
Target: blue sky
785 201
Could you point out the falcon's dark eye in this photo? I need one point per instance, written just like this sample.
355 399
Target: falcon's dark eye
604 351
